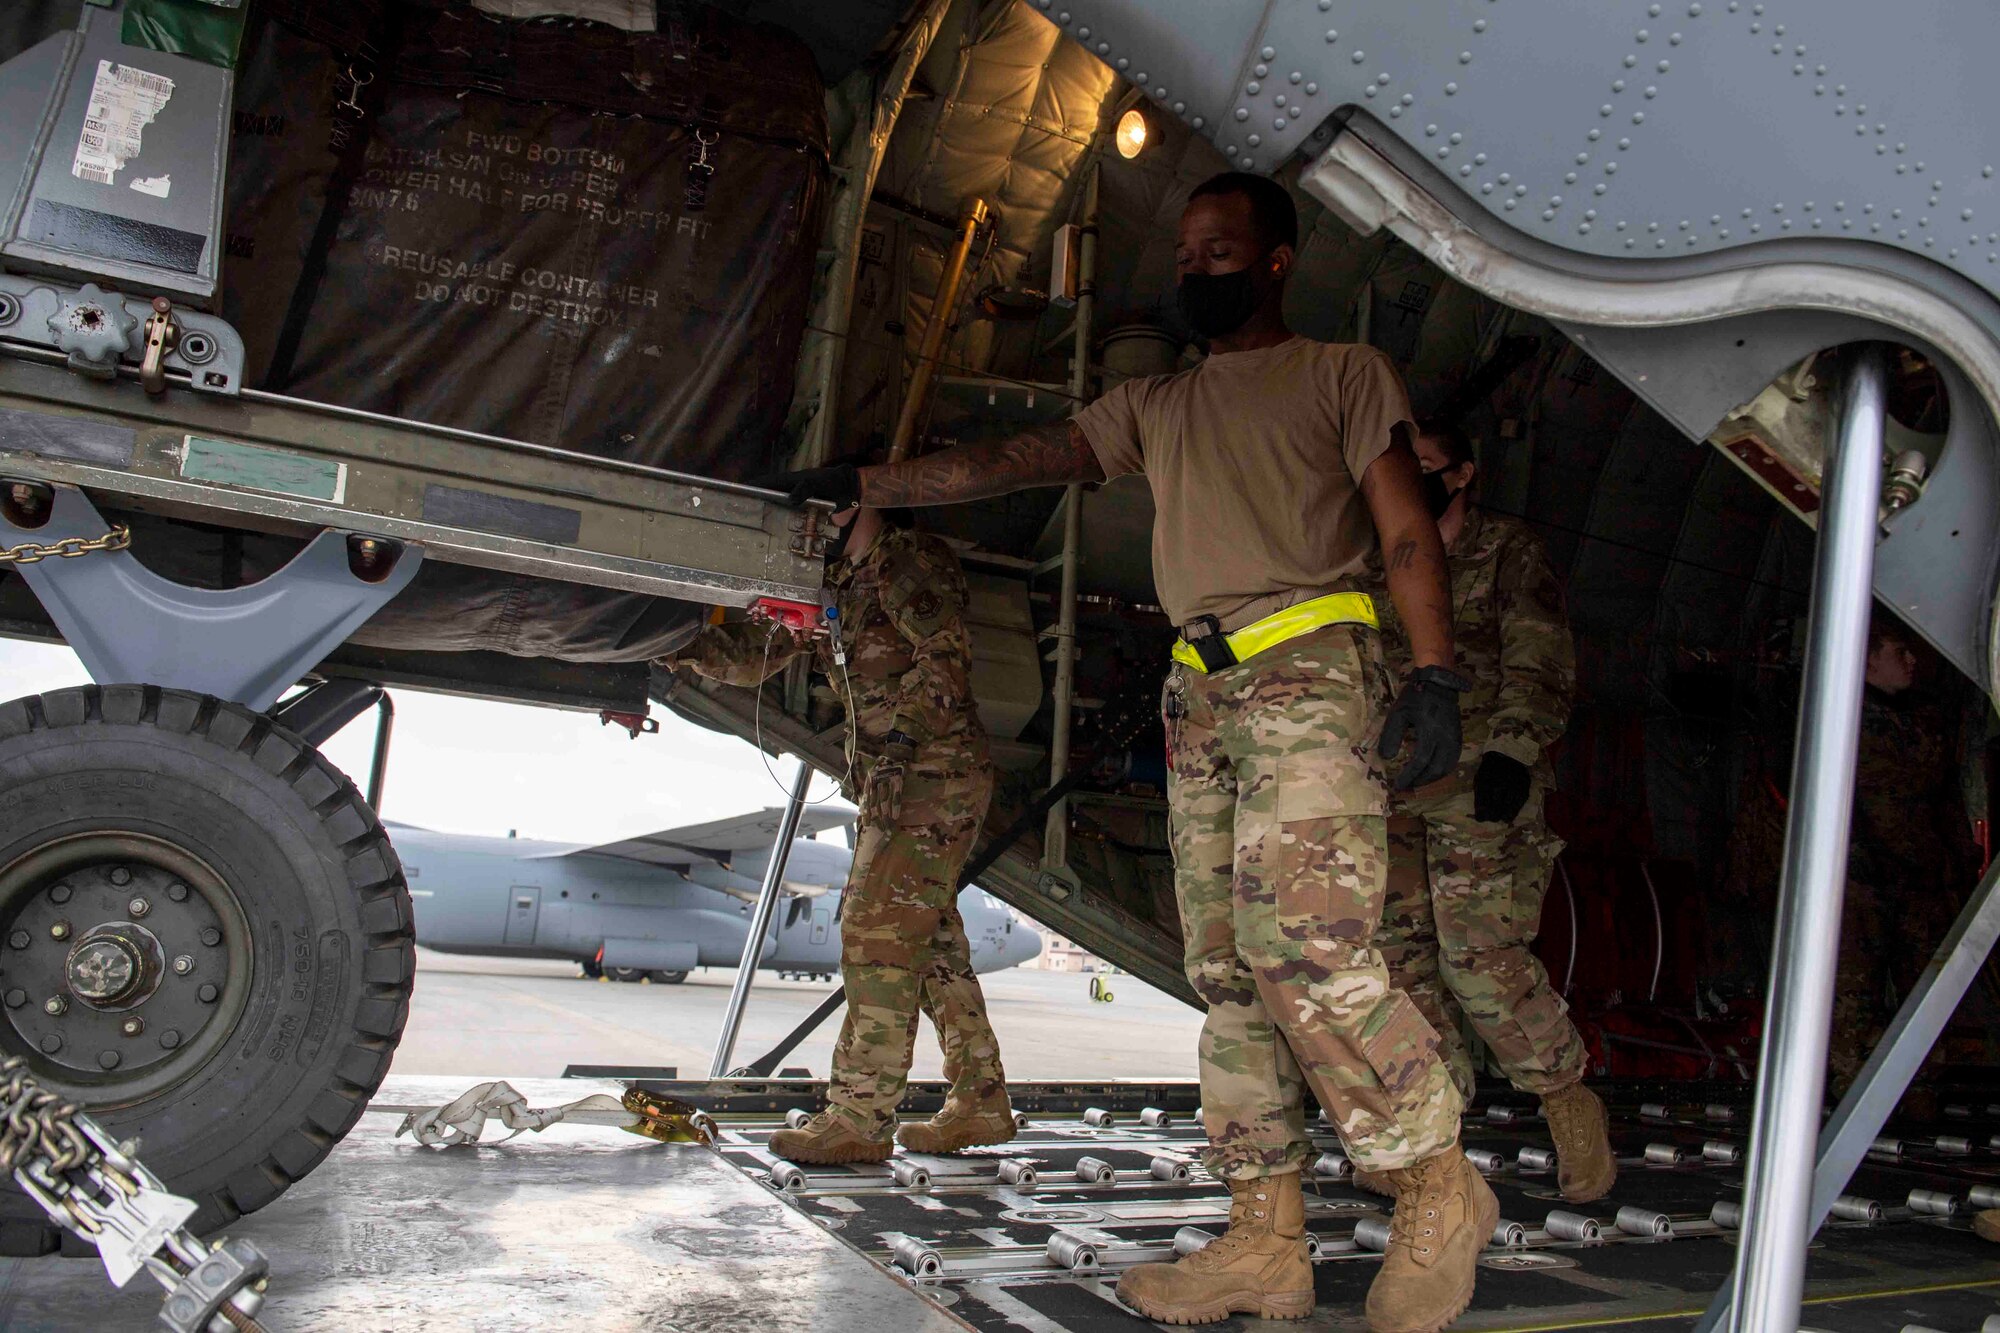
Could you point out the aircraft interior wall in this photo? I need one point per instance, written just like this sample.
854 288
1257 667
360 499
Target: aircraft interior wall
1687 582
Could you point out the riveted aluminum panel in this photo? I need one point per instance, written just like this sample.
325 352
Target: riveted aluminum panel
1621 128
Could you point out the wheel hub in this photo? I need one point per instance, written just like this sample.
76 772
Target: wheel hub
97 1000
103 970
116 965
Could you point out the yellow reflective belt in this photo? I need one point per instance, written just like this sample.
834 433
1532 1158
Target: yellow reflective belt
1338 608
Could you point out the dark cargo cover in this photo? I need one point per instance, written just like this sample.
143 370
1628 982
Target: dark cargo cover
552 230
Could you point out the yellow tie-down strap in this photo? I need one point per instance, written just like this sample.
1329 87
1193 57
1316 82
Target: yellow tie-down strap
1337 608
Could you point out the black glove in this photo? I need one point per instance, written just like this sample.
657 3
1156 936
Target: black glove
1500 788
840 484
1426 712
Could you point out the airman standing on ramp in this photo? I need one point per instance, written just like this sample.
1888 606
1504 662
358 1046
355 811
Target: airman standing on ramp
1275 465
899 653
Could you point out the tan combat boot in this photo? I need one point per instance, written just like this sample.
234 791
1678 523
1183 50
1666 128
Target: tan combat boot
828 1138
1258 1267
1586 1168
1986 1225
1374 1182
956 1128
1444 1216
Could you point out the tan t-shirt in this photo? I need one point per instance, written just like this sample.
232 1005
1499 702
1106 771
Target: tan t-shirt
1255 460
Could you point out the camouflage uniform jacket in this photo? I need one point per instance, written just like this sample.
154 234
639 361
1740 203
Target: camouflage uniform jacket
1911 829
901 622
1512 638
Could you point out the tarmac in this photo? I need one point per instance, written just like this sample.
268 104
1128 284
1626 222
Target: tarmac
485 1017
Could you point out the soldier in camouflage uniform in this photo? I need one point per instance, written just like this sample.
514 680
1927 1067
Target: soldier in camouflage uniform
1911 862
1911 859
1470 854
1274 466
919 768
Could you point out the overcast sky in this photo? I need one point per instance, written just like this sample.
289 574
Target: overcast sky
465 766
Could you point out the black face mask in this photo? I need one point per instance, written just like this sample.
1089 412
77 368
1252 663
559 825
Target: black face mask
1216 304
1438 493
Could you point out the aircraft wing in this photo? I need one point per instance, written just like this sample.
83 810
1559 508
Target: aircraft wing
717 842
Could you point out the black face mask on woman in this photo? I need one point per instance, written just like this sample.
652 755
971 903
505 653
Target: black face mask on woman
1218 304
1438 493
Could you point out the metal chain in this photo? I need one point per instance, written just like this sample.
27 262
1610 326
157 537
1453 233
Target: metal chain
35 1120
94 1185
69 548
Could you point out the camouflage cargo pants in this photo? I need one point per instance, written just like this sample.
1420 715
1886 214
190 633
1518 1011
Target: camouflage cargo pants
1465 902
1280 866
1887 937
903 948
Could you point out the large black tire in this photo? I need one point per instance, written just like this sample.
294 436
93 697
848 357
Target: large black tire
264 877
666 978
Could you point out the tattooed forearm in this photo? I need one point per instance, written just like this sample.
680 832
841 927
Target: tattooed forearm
1420 584
1039 456
1415 569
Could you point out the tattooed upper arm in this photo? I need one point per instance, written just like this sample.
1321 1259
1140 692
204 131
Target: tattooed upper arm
1043 455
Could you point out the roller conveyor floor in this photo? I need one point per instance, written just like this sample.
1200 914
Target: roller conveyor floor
588 1227
1041 1251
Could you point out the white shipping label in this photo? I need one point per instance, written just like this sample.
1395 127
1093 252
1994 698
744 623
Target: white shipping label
123 102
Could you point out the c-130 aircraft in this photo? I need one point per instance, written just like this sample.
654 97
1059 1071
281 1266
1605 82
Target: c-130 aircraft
657 906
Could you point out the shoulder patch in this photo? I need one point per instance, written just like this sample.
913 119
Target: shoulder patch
926 604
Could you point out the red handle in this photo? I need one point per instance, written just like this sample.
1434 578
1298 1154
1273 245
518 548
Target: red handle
801 617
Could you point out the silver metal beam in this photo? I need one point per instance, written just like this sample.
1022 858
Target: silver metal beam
760 921
1770 1269
507 505
1844 1143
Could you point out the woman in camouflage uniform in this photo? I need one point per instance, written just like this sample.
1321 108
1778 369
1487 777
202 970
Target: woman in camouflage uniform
1470 854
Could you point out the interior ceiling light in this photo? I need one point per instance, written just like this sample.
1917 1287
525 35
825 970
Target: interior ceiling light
1131 134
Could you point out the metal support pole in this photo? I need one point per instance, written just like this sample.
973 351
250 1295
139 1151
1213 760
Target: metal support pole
378 768
935 329
1770 1269
1844 1143
760 921
1055 838
764 1065
995 848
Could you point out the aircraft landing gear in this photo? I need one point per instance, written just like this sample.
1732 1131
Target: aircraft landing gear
666 978
626 973
592 969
